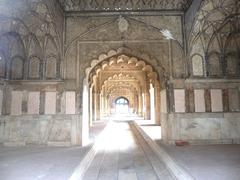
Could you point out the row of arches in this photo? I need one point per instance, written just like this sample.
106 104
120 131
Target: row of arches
214 41
219 62
122 84
30 44
18 62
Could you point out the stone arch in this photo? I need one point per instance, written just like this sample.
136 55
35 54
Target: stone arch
14 51
214 64
122 97
34 68
7 25
17 68
35 56
132 57
197 62
52 66
232 56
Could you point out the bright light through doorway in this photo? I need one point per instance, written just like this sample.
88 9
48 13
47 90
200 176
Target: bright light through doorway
122 106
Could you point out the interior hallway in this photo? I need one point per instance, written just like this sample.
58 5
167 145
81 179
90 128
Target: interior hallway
125 156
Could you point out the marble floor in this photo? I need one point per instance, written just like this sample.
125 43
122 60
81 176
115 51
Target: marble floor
34 162
208 162
125 156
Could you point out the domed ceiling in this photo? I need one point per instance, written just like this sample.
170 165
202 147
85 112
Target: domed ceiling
124 5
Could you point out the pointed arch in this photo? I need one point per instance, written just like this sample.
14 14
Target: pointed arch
51 59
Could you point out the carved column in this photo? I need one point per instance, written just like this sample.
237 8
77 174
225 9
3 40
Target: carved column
91 106
140 104
97 106
147 105
157 103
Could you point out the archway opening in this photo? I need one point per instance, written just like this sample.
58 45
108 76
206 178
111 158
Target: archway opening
121 105
118 77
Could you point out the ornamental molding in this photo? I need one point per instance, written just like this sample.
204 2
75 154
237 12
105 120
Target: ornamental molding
124 5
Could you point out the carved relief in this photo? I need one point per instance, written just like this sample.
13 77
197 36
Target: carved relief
51 66
122 24
106 5
25 37
17 68
214 65
34 68
197 65
211 36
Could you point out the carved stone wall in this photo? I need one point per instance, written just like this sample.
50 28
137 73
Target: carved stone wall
93 37
127 5
215 36
31 32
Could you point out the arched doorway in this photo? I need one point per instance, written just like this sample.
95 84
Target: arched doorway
128 77
121 105
117 76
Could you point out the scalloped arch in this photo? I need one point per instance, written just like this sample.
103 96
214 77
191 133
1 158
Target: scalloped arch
132 55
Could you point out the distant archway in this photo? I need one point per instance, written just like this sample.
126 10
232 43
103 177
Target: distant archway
122 105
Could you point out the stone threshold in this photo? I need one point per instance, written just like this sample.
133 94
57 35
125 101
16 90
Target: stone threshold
177 171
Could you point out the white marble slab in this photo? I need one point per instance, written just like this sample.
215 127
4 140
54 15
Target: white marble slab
50 102
70 102
216 100
199 100
179 99
33 102
16 103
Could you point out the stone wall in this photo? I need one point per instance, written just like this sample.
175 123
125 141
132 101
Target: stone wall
203 112
205 106
202 128
94 37
38 129
38 113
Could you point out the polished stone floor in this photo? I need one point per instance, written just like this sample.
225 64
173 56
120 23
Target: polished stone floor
208 162
202 162
34 162
125 156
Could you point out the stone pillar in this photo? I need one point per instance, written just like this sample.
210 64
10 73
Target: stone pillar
207 96
157 103
101 105
90 107
152 103
106 106
97 106
147 105
136 104
140 104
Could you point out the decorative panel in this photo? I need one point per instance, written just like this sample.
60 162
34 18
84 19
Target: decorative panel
33 102
216 100
199 100
16 103
70 102
179 99
50 102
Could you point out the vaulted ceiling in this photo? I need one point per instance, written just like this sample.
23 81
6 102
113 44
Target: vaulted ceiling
125 5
